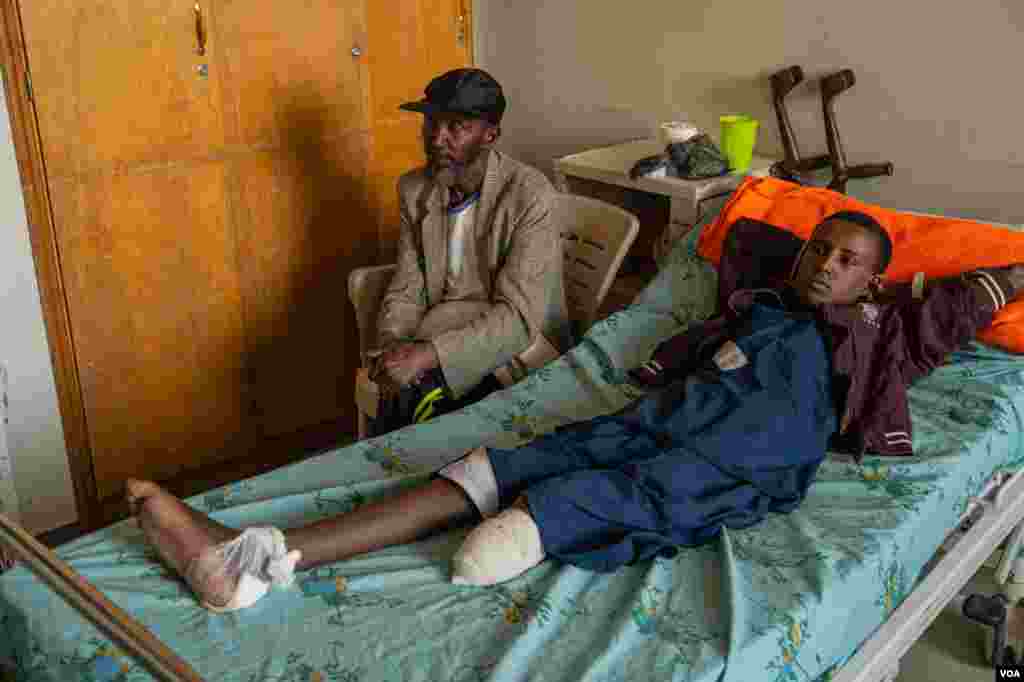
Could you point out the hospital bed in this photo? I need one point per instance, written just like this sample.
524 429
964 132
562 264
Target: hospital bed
836 590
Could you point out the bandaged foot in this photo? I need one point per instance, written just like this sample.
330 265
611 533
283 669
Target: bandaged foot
236 574
499 549
226 568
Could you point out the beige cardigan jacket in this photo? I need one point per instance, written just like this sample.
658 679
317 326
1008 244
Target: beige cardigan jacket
518 248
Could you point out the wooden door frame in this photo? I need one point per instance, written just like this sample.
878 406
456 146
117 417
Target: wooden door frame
43 237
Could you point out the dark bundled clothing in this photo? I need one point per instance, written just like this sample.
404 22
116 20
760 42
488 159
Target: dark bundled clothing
695 159
427 398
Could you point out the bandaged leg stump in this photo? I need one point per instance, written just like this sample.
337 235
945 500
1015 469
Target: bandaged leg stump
499 549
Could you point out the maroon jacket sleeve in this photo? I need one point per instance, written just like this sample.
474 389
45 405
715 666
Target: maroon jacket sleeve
948 317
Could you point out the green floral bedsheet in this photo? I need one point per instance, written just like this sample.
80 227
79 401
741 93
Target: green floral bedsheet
789 599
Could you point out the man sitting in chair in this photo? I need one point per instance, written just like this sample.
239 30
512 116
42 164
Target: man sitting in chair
479 274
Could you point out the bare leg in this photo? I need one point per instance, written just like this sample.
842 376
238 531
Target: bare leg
408 516
177 532
180 534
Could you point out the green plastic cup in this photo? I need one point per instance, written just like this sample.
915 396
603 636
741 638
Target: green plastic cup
739 134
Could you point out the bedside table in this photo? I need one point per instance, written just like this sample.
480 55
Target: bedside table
689 199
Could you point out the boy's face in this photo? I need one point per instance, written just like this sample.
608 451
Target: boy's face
838 264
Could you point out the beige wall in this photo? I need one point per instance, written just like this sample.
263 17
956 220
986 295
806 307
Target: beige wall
35 436
937 88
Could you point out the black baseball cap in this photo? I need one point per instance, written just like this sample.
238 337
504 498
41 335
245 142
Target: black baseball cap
471 92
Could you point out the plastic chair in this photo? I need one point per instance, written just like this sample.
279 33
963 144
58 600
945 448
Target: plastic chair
595 239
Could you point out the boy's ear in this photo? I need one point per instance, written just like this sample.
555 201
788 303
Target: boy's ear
876 289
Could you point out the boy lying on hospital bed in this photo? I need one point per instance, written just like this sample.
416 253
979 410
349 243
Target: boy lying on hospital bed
741 411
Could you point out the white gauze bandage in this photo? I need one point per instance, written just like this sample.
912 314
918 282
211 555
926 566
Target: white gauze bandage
474 474
236 574
499 549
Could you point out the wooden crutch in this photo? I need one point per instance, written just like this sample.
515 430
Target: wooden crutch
831 87
792 166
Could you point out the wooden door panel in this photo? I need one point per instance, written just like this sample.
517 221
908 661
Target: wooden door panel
397 148
449 24
399 71
288 67
307 224
206 224
116 83
410 42
298 113
396 56
149 269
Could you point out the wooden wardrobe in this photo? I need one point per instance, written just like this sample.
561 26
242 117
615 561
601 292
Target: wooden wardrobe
200 180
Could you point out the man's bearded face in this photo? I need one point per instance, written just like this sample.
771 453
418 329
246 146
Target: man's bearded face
453 143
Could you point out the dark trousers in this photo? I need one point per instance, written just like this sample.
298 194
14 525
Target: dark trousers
431 397
720 448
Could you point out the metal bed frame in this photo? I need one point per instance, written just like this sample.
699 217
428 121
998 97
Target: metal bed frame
994 515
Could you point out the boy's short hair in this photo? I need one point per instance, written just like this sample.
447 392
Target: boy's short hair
872 226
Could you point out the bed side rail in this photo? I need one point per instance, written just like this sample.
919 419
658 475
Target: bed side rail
991 516
112 621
